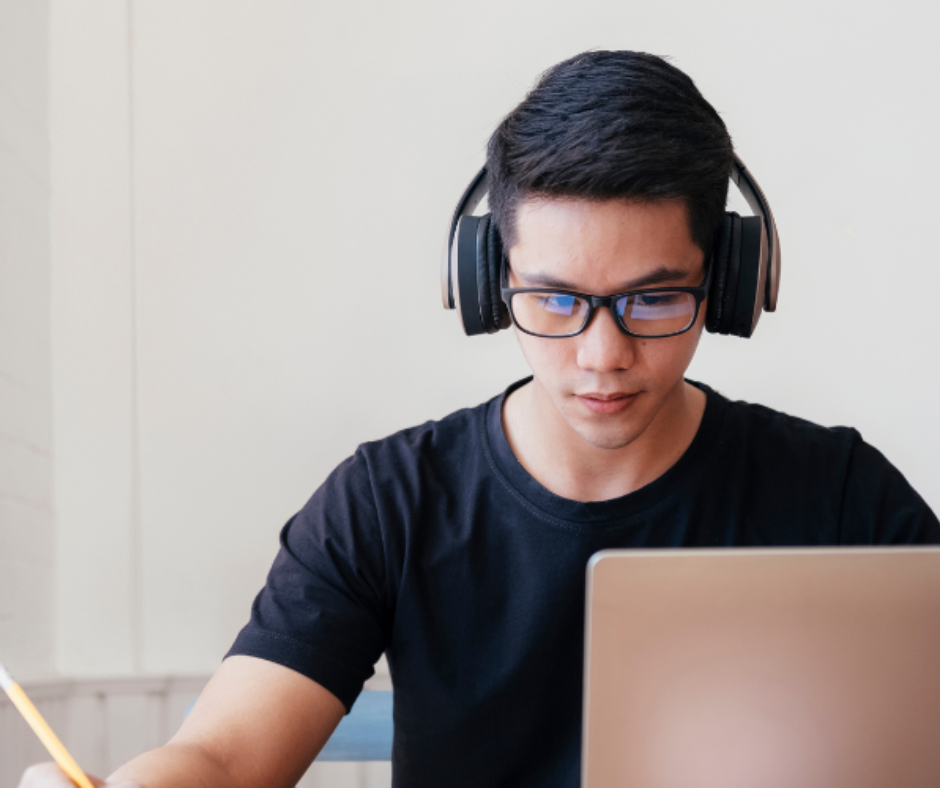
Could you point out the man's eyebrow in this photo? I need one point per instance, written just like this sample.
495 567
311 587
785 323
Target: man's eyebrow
661 275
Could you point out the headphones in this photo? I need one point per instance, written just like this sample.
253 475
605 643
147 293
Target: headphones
745 262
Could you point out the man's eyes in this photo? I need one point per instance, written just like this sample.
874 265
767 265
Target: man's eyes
658 299
559 304
568 304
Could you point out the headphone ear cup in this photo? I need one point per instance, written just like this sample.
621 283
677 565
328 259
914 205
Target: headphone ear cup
489 260
717 294
749 298
479 262
496 259
466 266
736 294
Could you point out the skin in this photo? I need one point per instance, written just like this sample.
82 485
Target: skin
557 425
256 725
604 415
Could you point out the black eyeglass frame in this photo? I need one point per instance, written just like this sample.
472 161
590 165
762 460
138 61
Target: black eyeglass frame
700 293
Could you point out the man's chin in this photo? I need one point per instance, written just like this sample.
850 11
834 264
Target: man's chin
616 434
607 439
608 432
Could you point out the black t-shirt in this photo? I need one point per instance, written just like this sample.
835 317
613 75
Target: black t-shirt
437 547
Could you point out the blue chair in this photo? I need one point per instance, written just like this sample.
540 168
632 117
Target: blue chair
365 734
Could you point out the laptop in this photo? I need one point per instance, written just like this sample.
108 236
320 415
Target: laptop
770 668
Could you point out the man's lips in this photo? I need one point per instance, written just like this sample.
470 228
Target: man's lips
606 404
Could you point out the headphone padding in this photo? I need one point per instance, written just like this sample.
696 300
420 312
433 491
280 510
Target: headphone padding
716 295
484 283
495 259
467 295
730 300
747 305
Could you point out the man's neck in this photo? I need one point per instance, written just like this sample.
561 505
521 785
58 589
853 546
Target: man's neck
566 464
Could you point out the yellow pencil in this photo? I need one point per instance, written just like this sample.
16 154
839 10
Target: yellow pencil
42 730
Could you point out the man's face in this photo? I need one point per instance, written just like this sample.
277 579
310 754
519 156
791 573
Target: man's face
608 387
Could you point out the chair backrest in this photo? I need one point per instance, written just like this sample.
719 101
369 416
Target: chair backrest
365 734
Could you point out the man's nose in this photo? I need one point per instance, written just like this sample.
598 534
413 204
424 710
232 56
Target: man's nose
603 347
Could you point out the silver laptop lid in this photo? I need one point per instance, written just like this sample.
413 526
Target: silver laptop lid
763 669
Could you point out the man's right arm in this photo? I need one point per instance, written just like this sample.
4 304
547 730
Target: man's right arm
256 725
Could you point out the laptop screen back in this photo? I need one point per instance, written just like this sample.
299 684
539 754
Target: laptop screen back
763 669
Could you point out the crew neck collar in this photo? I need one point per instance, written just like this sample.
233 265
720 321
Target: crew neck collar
636 503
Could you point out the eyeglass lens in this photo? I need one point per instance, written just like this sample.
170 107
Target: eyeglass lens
643 314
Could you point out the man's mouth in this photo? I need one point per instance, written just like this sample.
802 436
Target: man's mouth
606 404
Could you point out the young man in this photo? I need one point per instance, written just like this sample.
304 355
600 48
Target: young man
459 547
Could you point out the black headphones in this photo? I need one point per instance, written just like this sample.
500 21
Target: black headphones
745 260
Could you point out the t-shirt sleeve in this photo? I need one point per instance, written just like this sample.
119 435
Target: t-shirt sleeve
324 610
879 506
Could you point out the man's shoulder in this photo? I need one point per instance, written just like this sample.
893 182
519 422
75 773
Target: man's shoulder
763 428
773 453
791 461
460 427
432 452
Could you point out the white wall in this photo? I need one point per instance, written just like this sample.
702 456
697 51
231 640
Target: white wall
250 199
26 519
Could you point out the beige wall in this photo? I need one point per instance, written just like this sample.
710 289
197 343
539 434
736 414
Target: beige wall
27 579
238 185
94 334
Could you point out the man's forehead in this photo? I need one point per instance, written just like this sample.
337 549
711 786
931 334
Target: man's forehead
658 275
569 242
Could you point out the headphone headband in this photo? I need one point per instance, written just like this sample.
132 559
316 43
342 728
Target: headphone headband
467 204
754 197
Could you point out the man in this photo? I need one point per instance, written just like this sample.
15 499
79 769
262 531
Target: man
459 547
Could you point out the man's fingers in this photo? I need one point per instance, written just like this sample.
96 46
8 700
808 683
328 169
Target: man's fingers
46 775
49 775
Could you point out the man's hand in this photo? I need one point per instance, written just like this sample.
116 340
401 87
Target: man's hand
256 725
49 775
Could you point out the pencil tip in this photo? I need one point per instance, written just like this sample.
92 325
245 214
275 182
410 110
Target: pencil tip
6 680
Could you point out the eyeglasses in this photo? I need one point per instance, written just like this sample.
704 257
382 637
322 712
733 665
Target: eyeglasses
651 314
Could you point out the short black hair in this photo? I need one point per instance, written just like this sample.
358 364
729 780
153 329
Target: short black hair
606 125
